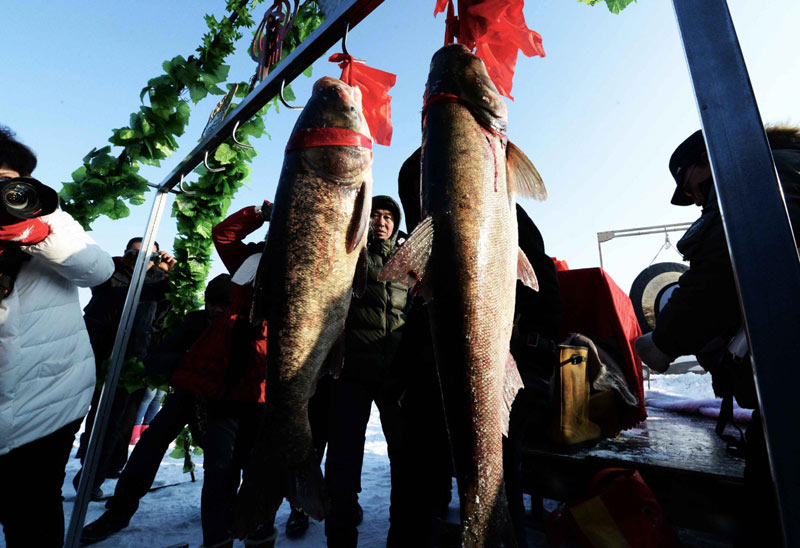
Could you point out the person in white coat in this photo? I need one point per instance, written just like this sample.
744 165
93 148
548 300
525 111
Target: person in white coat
47 372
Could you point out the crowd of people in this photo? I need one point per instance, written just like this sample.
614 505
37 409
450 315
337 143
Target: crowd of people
51 353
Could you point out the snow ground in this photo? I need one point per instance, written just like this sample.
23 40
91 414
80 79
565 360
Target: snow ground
172 515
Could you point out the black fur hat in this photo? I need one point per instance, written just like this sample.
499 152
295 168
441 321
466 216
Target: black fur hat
687 153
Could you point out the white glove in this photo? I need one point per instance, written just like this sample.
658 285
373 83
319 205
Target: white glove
651 355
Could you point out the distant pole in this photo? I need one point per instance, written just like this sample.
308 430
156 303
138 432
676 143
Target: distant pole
760 241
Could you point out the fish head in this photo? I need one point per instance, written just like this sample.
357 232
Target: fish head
334 104
455 70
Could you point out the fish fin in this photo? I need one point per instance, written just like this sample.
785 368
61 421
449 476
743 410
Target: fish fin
360 277
360 221
523 178
512 383
409 264
304 486
525 272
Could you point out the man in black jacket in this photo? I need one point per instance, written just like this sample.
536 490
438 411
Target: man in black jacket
178 411
703 313
372 336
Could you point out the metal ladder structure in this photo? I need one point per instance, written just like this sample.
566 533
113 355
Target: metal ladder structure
760 240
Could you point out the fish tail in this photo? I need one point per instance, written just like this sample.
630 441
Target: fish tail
303 484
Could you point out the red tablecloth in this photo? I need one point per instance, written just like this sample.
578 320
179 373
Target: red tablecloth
595 306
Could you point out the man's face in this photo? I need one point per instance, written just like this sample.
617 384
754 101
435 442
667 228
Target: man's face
695 179
133 251
7 173
382 223
215 310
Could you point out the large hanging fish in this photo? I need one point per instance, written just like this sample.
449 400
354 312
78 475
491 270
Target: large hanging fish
317 233
464 258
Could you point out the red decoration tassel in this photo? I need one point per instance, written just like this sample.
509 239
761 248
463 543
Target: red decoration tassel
375 99
496 30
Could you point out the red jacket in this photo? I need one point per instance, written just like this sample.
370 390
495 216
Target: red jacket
228 361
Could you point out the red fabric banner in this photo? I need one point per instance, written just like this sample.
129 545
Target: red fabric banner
496 30
375 99
595 306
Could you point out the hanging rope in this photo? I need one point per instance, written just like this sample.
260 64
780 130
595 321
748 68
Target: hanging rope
666 245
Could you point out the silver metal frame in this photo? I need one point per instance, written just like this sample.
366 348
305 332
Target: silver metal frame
608 235
762 246
335 27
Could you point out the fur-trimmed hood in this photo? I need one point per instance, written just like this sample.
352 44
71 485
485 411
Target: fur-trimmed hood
783 136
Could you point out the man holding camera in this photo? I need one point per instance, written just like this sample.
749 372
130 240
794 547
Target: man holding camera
46 362
102 316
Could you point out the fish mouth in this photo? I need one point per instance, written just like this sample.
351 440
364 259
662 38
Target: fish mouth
456 71
334 96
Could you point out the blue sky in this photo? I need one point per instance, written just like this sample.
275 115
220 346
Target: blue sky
599 116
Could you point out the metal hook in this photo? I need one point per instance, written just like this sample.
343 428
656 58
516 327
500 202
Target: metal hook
235 140
344 42
212 170
283 99
344 38
183 189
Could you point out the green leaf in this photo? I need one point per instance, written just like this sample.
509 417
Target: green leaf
307 72
224 154
177 453
614 6
79 174
119 210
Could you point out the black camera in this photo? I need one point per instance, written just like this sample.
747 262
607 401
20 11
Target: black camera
155 258
26 197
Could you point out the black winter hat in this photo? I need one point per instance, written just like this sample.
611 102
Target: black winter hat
687 153
388 203
219 290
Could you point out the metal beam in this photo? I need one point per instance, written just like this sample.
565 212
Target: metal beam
327 34
760 241
607 235
351 12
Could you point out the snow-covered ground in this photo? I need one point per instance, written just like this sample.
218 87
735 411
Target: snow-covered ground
172 515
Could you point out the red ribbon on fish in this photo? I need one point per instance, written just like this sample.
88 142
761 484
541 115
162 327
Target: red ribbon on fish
496 30
375 99
327 136
438 98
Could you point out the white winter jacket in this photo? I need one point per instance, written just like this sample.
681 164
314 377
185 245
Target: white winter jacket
47 371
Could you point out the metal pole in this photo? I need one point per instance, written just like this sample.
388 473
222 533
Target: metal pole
109 388
760 241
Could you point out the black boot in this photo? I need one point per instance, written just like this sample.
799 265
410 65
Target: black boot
359 514
105 526
297 524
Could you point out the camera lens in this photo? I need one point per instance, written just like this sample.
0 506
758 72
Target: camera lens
20 198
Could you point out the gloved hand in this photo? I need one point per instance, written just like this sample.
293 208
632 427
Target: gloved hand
651 355
265 210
